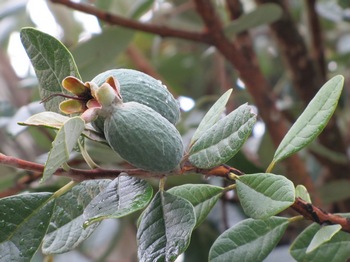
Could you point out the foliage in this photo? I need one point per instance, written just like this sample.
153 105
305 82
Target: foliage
57 215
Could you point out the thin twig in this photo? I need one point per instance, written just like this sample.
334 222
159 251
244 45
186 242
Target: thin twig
163 31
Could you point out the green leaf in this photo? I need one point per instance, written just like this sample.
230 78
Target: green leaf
202 197
139 7
100 52
212 116
337 247
223 140
24 220
263 14
249 240
165 228
63 144
263 195
52 63
46 119
66 227
313 120
322 236
301 191
123 196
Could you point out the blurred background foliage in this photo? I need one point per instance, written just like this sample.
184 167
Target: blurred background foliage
197 74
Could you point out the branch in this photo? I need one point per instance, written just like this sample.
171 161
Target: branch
319 216
163 31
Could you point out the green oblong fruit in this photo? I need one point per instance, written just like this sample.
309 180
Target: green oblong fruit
143 137
144 89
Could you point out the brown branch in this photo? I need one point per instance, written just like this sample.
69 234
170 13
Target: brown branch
320 216
317 47
163 31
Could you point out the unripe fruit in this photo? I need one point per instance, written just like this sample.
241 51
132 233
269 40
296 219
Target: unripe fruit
144 89
143 137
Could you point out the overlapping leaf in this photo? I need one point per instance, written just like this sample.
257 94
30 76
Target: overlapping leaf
212 116
165 228
66 227
223 140
52 63
63 144
249 240
263 195
202 197
124 195
322 236
313 120
24 220
337 247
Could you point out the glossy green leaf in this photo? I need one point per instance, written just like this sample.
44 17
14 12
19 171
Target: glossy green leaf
212 116
223 140
123 196
202 197
99 53
322 236
52 63
301 191
165 228
66 227
66 139
263 195
249 240
313 120
337 247
24 220
263 14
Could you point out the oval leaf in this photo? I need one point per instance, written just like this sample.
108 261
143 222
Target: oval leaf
165 228
223 140
313 120
52 62
66 227
212 116
63 144
301 191
202 197
263 14
24 220
322 236
337 247
124 195
249 240
263 195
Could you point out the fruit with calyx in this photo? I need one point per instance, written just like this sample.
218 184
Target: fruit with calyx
137 133
144 89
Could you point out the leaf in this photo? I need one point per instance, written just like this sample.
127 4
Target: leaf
322 236
313 120
65 140
337 247
212 116
263 14
99 53
24 220
301 191
46 119
249 240
202 197
52 63
123 196
139 7
66 227
165 228
56 121
263 195
223 140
